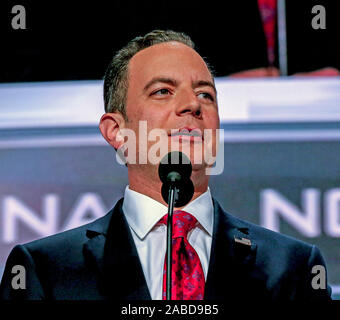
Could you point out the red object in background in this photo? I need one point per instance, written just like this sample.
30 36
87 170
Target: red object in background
274 72
268 15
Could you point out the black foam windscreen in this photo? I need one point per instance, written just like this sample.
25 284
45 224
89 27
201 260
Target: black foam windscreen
175 161
174 171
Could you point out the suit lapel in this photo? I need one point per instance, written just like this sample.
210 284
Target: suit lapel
113 254
232 258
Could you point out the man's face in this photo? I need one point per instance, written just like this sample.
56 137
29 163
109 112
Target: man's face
171 88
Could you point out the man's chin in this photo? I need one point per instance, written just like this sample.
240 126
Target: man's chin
199 168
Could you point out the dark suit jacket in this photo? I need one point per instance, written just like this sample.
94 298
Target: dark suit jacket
100 261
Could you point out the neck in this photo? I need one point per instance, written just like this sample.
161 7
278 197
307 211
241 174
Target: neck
149 184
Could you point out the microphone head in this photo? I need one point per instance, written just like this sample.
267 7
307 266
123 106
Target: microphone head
174 162
174 171
185 191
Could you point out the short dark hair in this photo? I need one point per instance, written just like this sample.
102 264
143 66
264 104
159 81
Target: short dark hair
116 75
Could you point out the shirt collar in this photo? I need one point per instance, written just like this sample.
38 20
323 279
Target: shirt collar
143 212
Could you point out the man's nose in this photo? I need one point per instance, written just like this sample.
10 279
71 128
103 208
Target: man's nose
189 104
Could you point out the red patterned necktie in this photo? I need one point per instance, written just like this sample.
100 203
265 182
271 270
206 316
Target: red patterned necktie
187 273
268 15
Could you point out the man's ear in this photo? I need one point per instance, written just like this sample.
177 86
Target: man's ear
109 126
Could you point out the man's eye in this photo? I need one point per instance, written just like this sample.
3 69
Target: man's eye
206 95
161 92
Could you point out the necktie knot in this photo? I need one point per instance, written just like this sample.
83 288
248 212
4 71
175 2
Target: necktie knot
183 222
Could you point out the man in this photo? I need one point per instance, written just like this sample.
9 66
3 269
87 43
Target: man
161 79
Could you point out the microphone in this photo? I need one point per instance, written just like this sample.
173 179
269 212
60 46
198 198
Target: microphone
174 171
177 189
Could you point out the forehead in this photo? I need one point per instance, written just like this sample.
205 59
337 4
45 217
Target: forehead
173 59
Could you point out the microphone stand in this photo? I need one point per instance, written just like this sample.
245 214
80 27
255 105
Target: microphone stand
171 201
177 189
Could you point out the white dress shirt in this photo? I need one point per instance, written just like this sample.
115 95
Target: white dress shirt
143 214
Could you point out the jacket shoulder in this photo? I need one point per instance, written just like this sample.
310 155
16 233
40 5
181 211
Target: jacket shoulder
75 237
267 239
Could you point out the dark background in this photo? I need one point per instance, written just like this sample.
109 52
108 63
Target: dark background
75 40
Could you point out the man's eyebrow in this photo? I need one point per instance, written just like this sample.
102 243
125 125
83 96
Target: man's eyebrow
170 81
201 83
173 82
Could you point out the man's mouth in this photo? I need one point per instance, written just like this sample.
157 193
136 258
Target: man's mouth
188 134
